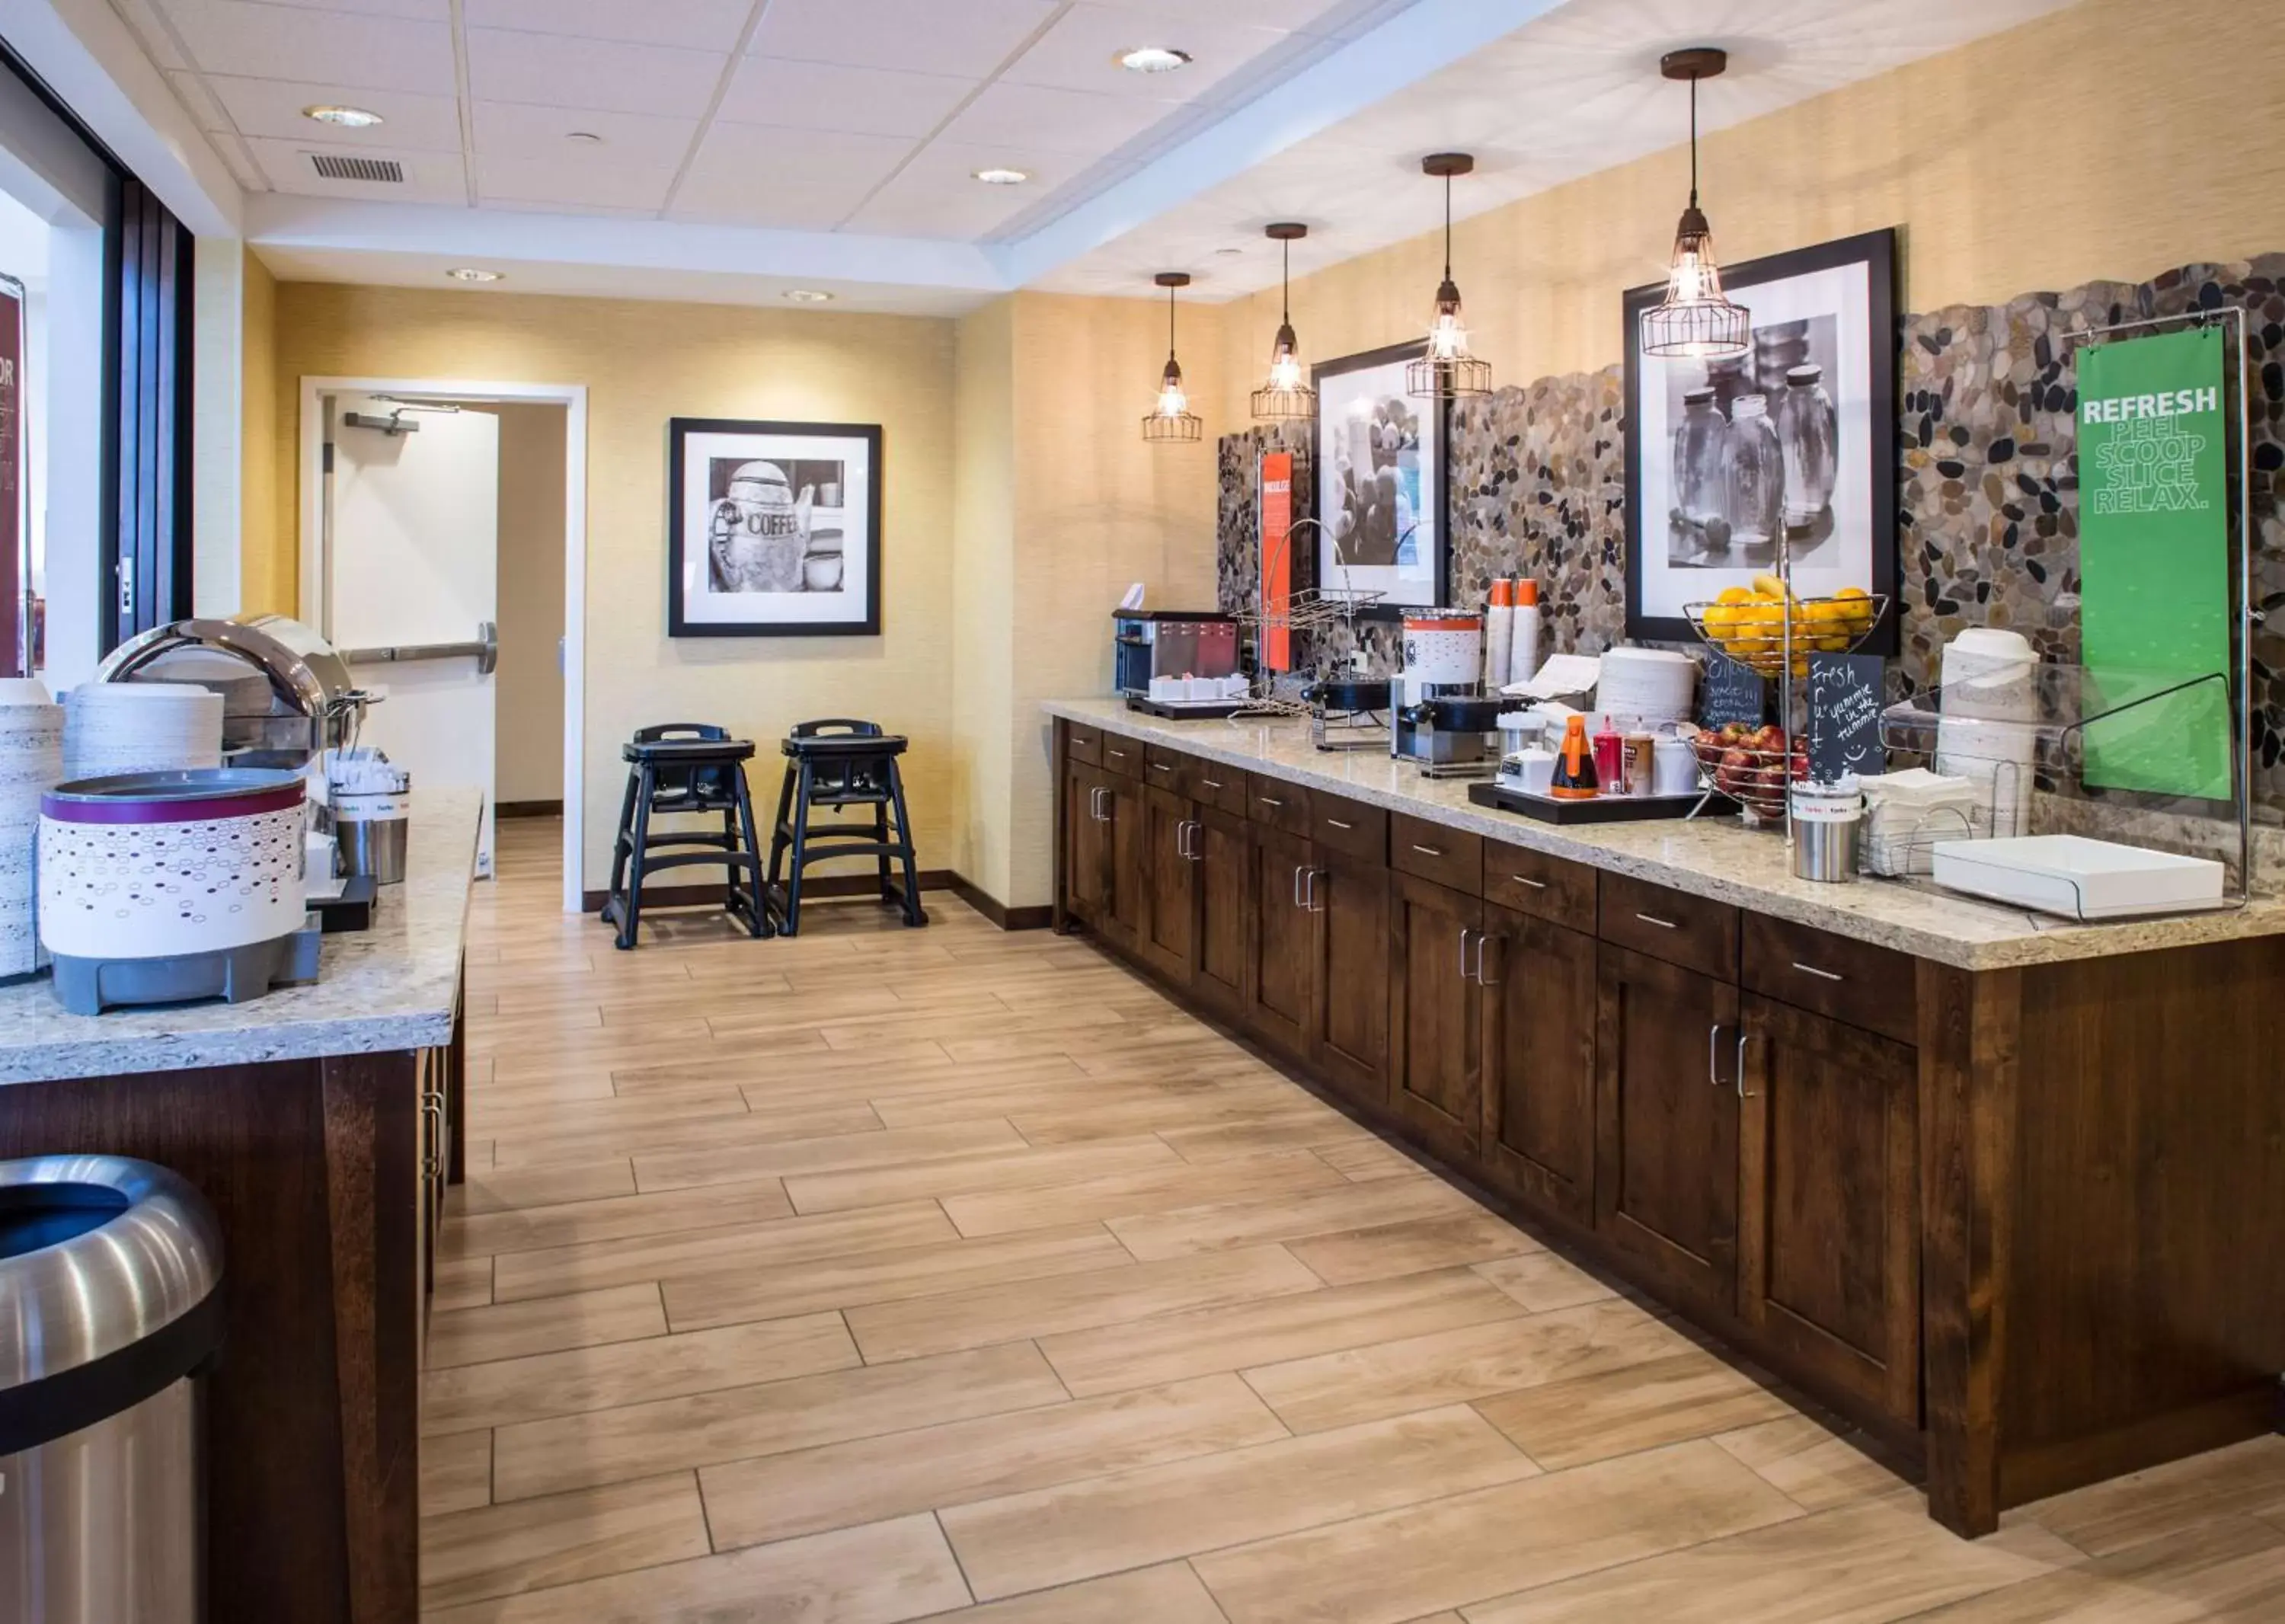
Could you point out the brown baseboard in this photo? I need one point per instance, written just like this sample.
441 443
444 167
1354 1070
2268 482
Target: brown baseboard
527 809
816 885
998 911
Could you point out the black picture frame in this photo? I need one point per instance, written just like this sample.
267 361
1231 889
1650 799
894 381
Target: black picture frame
1436 480
768 442
1882 429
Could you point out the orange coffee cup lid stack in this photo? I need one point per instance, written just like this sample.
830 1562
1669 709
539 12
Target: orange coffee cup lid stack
1527 593
1502 594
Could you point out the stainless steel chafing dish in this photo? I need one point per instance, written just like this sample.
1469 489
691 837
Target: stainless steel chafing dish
287 696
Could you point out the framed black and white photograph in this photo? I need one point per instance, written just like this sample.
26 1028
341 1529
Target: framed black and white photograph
774 530
1795 438
1380 491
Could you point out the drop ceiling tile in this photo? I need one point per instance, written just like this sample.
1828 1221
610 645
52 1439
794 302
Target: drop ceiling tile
302 43
938 196
273 108
969 38
200 103
798 179
515 129
538 180
427 11
694 25
903 212
430 177
1030 117
724 196
874 101
1080 52
557 71
150 27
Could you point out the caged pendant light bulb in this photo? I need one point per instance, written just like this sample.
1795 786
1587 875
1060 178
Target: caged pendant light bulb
1286 397
1695 319
1448 372
1172 422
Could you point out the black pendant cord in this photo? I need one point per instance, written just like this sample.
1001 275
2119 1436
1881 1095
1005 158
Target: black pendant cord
1170 326
1694 140
1285 284
1448 228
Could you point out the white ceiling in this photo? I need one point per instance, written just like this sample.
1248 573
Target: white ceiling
867 116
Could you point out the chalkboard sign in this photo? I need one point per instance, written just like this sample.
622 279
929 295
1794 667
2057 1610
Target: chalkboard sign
1845 693
1728 692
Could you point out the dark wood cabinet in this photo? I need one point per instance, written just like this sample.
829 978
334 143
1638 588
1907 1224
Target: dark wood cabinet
1666 1131
1280 972
1222 847
1167 931
1536 979
1349 897
1126 878
1435 1074
1828 1223
1086 836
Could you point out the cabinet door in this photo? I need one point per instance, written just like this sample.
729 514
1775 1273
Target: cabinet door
1665 1132
1282 964
1435 1072
1086 827
1538 991
1828 1232
1224 913
1127 879
1169 885
1350 1026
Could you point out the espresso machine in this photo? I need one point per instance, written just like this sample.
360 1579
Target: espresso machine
1440 716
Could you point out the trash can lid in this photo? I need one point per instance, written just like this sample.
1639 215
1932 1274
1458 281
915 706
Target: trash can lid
109 1270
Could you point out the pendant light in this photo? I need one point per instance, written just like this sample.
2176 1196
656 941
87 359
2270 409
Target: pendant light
1695 319
1448 372
1285 398
1172 422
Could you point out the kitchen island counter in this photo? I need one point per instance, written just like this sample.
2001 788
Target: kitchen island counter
1715 857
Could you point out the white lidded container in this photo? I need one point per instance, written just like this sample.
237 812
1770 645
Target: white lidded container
1444 645
161 865
2077 877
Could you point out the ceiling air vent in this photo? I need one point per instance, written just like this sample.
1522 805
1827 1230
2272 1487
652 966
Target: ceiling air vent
333 166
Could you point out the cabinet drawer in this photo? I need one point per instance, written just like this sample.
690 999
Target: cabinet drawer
1277 804
1548 888
1083 743
1854 981
1451 857
1666 924
1349 827
1166 769
1213 784
1122 754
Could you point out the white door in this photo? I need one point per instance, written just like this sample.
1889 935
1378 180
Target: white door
413 561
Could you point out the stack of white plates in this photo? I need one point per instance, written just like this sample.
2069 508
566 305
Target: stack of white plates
31 762
115 727
1647 685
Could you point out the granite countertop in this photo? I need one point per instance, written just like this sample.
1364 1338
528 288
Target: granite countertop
1715 858
391 987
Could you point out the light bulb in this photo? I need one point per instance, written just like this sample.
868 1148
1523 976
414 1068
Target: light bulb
1284 372
1173 402
1689 279
1448 339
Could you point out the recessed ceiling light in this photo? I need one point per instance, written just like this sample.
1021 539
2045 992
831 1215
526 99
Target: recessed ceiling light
471 273
1001 178
1152 59
809 295
1229 253
587 136
347 118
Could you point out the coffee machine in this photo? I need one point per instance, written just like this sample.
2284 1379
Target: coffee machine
1440 715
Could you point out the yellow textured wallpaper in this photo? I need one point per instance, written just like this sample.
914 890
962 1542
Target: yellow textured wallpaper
2115 138
644 363
984 584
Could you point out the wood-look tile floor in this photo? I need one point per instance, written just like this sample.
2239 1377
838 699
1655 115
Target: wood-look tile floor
887 1274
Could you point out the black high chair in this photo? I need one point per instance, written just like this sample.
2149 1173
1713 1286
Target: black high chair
684 768
839 764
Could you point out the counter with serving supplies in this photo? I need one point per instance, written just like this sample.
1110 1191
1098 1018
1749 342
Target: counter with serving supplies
322 1123
1995 1186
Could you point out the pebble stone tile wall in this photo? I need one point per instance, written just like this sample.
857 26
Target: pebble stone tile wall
1987 530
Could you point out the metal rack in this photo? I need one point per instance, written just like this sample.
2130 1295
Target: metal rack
1313 610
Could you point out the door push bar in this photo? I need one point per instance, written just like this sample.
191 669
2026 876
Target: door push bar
484 650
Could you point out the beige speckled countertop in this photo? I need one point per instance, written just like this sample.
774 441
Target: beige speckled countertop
388 988
1712 857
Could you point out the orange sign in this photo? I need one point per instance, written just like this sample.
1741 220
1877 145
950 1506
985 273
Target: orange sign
1276 559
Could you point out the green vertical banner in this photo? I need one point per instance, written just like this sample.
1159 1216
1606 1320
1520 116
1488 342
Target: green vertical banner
2153 561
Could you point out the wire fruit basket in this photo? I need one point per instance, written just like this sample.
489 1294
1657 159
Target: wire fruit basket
1755 630
1752 765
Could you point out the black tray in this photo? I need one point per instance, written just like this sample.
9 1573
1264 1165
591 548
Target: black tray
1187 710
1602 808
352 910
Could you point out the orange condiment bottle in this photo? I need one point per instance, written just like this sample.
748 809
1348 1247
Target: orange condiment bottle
1574 765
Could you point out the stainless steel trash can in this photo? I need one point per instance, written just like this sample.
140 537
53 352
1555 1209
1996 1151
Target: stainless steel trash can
109 1311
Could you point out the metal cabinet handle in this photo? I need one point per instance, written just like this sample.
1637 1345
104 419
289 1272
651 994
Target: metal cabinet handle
1483 940
1310 891
1465 934
1811 969
1712 1047
1268 800
1109 751
1299 870
1429 850
1181 838
1186 838
1210 783
1162 766
1095 797
1525 879
1337 823
1745 1036
1653 919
